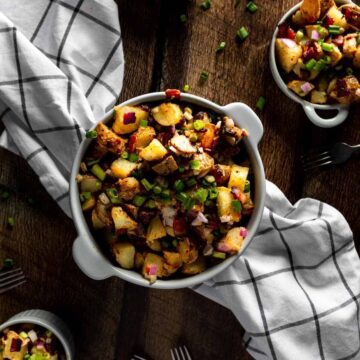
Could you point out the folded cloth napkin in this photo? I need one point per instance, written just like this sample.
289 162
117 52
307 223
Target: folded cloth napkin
296 289
62 67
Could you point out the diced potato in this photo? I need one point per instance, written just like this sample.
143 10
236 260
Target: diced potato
96 222
298 19
351 84
310 28
156 230
144 135
129 187
311 10
238 177
124 254
166 167
221 173
206 163
208 138
167 114
153 267
173 258
299 68
287 56
154 151
88 204
187 250
338 17
90 183
122 220
122 168
323 83
194 268
326 5
318 97
336 55
14 355
350 45
232 242
182 144
119 127
248 205
131 209
356 61
296 85
226 211
103 213
332 85
139 260
108 139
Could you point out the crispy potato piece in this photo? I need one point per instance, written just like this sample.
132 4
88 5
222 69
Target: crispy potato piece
350 45
298 19
232 242
287 56
172 258
326 5
336 55
338 17
14 355
350 90
206 164
122 220
166 167
155 231
310 28
88 204
318 97
153 267
124 253
144 136
296 85
131 209
194 268
209 137
238 177
187 250
120 126
182 144
167 114
311 10
129 187
109 140
122 168
139 260
103 214
95 220
154 151
226 211
356 61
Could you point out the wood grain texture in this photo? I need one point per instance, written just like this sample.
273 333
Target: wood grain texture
117 318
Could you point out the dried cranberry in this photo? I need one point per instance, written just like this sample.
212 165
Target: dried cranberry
328 21
347 14
172 93
312 19
291 33
129 118
309 54
283 30
179 226
15 345
132 141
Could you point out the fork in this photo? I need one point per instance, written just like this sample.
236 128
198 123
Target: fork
137 357
11 279
332 155
180 353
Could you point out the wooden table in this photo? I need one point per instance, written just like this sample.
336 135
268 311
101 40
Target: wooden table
111 319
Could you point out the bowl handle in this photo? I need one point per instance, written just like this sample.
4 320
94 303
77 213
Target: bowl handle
89 259
248 119
315 118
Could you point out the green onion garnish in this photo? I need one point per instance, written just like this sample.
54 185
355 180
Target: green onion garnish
125 155
206 5
334 29
11 221
165 194
242 33
93 162
327 47
151 204
174 243
201 195
189 203
310 64
113 195
193 138
251 7
236 204
349 71
146 184
98 172
8 263
23 335
91 134
143 123
139 200
86 195
260 104
213 193
181 196
320 65
191 182
183 18
221 46
204 75
133 157
179 185
199 125
186 88
300 35
218 255
327 59
157 190
247 186
195 164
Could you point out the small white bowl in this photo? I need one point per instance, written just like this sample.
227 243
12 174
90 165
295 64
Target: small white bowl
309 108
48 321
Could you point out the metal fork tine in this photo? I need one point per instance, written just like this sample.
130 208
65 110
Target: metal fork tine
11 276
310 157
11 281
137 357
182 354
317 161
172 355
3 290
8 272
319 165
177 354
187 352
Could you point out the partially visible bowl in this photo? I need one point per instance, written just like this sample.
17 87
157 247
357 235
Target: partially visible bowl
309 108
48 321
87 253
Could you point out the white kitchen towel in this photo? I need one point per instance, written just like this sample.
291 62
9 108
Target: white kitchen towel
296 289
62 67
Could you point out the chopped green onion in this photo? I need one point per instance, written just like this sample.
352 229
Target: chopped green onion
5 195
23 335
300 35
236 204
98 172
91 134
210 179
183 18
165 194
8 263
139 200
182 196
310 64
242 33
221 46
327 47
193 138
327 59
181 169
151 204
213 193
334 29
195 164
133 157
147 185
201 195
247 186
143 123
179 185
339 67
191 182
157 189
189 203
86 195
11 221
218 255
198 125
113 195
320 65
186 88
27 357
93 162
204 75
260 104
125 155
174 243
206 5
251 7
349 71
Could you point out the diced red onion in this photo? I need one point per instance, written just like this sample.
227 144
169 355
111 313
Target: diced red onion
243 232
339 40
152 269
32 336
199 220
315 35
129 118
15 345
289 43
306 87
222 246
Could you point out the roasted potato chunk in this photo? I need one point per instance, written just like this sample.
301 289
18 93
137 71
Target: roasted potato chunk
288 53
206 164
153 267
154 151
167 114
318 97
232 242
194 268
187 251
122 168
297 87
182 145
238 177
209 136
156 230
338 17
122 220
166 167
127 118
311 10
350 45
124 253
144 136
108 139
226 211
129 187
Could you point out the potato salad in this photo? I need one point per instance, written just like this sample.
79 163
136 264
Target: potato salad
319 51
165 188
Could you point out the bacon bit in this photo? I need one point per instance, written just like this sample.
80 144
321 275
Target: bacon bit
312 19
291 34
238 195
15 345
328 21
179 226
243 232
348 14
172 94
283 30
132 141
129 118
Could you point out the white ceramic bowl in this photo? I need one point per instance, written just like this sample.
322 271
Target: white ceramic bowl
86 252
309 108
48 321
